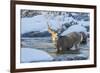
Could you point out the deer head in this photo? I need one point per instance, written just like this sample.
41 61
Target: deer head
54 34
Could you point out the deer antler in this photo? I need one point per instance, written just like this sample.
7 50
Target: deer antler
60 28
49 28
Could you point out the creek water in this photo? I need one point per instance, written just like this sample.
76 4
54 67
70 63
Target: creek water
46 45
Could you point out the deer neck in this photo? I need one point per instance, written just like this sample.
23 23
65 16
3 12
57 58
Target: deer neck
54 38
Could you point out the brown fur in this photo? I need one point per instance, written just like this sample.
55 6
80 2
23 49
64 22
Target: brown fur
67 42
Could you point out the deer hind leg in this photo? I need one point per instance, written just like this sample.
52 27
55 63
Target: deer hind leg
73 47
77 46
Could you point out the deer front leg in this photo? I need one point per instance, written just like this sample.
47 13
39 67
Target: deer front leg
59 48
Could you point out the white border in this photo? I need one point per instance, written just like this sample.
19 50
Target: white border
53 64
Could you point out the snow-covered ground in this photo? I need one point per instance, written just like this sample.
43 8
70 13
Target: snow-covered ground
74 28
34 55
36 23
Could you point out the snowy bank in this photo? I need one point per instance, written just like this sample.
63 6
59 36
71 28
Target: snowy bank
33 55
74 28
36 23
39 23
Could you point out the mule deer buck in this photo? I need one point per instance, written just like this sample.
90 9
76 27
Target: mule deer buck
62 43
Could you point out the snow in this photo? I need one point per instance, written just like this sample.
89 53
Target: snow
30 55
36 23
39 23
74 28
69 19
83 23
